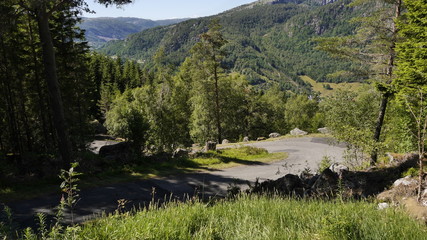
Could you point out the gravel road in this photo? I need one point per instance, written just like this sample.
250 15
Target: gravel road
303 152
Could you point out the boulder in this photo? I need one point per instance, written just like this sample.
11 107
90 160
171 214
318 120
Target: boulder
98 127
246 139
115 149
261 139
324 130
383 205
210 146
338 168
326 184
288 185
406 181
180 152
298 132
225 141
274 135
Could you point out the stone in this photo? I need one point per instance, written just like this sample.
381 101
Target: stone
274 135
326 184
246 139
210 146
338 168
98 127
180 152
383 205
114 149
225 141
288 185
324 130
298 132
261 139
406 181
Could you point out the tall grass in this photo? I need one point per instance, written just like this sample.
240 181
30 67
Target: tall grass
259 218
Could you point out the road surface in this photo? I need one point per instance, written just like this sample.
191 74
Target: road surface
304 152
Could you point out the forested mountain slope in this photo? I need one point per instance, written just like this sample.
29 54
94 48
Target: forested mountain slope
267 40
104 29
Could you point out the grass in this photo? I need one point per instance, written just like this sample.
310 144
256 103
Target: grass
286 136
257 218
144 169
318 86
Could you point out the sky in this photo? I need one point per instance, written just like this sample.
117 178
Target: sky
165 9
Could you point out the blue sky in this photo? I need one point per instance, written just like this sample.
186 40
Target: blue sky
165 9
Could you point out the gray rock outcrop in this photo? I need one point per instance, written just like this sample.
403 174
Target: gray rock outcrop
274 135
298 132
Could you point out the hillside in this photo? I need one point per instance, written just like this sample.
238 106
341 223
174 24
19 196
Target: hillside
267 40
104 29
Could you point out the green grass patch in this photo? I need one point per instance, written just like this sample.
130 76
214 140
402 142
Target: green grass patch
318 86
143 169
258 218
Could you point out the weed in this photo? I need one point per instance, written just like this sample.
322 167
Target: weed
325 163
69 187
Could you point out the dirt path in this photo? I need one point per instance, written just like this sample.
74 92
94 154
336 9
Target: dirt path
303 152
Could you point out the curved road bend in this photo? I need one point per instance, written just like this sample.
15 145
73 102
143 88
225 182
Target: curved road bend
303 152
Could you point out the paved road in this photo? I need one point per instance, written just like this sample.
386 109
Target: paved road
303 152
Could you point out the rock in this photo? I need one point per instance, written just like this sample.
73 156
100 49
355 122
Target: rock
260 138
298 132
114 149
324 130
406 181
180 152
338 168
288 185
383 205
210 146
274 135
246 139
326 185
98 127
225 141
390 157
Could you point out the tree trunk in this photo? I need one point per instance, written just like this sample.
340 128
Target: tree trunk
379 125
217 107
49 62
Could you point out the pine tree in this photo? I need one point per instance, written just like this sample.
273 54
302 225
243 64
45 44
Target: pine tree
411 83
207 73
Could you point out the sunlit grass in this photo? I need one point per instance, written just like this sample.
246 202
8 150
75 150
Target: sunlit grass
259 218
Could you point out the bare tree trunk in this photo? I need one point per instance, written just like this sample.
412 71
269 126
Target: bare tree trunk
56 105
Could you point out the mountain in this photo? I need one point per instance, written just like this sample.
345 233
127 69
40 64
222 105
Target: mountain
268 40
104 29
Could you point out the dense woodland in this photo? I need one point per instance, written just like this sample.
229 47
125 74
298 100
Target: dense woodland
192 90
266 42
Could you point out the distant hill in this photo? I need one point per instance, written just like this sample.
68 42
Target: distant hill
102 30
268 40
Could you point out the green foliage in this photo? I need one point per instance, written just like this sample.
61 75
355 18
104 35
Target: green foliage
300 111
70 188
126 119
351 117
412 172
325 163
